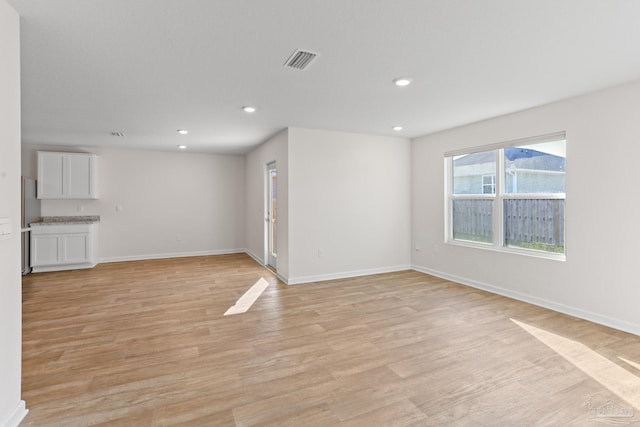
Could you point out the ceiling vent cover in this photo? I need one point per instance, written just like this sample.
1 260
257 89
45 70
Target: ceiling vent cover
300 59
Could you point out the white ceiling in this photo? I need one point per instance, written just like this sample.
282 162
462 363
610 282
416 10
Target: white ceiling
150 67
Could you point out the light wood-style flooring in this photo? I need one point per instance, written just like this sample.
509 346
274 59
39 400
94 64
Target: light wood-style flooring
146 344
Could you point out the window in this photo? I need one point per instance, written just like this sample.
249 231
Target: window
488 184
509 196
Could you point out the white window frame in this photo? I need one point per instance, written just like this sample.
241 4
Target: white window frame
498 198
491 185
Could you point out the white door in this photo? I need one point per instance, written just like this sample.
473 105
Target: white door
272 222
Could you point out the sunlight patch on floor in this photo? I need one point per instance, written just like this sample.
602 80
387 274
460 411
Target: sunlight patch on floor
245 302
634 364
618 380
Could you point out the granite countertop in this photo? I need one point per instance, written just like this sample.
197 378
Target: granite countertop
60 220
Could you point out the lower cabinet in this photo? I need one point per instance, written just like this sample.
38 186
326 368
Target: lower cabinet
63 247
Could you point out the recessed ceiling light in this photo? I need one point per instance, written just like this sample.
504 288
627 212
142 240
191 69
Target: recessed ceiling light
397 128
402 81
249 109
182 147
183 131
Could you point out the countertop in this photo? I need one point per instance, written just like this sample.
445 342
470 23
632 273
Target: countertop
62 220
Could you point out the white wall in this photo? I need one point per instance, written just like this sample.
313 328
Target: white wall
349 195
173 204
12 409
598 281
275 149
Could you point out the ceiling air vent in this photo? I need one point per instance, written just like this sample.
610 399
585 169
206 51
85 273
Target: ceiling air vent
300 59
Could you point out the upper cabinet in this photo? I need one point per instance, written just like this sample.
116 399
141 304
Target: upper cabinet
67 175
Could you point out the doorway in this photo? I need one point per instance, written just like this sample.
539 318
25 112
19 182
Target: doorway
272 215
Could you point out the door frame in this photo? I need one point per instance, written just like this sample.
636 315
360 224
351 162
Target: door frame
271 220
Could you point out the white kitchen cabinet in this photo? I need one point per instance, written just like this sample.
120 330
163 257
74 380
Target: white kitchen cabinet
67 175
63 247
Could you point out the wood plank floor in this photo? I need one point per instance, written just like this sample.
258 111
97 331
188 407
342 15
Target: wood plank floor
146 344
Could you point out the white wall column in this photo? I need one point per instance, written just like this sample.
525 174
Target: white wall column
12 408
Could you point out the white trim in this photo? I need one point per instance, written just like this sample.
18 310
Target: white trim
473 197
61 267
282 278
17 416
507 249
538 196
254 256
347 274
173 255
498 206
268 255
610 322
551 137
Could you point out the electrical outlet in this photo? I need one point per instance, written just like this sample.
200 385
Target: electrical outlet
320 252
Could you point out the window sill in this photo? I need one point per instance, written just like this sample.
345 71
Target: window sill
508 250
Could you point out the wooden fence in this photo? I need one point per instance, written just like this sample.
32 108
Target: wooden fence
473 220
534 221
527 222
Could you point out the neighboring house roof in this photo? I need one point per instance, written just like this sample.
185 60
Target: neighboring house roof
518 158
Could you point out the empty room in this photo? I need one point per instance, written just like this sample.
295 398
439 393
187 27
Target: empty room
319 213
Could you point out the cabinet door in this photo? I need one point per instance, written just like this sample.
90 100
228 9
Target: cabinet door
79 177
50 175
67 175
75 248
45 250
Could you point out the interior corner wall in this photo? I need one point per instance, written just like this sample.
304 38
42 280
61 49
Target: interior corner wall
598 280
12 408
349 204
274 149
172 203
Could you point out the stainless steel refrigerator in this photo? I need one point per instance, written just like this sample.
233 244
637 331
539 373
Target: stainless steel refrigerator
31 212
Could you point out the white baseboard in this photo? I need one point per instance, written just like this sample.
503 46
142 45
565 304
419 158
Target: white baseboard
172 255
16 417
600 319
255 257
284 279
347 274
190 254
47 268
